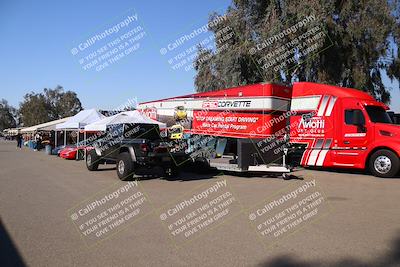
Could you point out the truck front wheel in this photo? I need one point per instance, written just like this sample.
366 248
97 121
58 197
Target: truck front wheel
384 163
124 166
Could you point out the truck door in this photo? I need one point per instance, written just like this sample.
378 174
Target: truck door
352 136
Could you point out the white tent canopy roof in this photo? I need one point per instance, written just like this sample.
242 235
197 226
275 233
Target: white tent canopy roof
131 117
47 126
81 119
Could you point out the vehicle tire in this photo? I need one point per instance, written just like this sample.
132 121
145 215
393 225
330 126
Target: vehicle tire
384 163
125 166
201 166
171 172
92 160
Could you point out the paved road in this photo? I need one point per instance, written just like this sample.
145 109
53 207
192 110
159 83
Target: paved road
357 224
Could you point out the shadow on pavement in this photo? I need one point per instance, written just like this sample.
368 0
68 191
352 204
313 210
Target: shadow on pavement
391 259
191 176
182 177
290 176
348 171
106 169
9 255
188 175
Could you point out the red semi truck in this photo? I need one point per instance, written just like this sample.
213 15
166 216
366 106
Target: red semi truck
273 128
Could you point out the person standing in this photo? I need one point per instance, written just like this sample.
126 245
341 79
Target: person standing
19 140
37 142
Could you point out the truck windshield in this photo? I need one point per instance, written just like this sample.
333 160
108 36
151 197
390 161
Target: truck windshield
378 114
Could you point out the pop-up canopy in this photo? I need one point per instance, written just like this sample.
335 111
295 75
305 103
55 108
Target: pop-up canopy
47 126
81 119
131 117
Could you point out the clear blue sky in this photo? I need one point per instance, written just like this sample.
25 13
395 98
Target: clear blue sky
37 38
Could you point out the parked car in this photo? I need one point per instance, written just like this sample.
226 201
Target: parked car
56 150
70 152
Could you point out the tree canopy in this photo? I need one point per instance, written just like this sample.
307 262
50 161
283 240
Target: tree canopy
51 104
357 44
7 115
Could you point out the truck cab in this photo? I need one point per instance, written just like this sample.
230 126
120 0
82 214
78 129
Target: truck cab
344 128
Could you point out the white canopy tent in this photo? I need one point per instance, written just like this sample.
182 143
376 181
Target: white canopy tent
131 117
47 126
79 121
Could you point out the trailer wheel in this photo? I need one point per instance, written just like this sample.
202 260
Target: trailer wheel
92 160
172 172
124 166
201 166
384 163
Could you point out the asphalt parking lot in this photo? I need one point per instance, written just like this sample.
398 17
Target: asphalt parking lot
357 224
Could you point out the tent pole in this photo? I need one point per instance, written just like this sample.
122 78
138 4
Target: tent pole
77 145
65 137
55 138
84 141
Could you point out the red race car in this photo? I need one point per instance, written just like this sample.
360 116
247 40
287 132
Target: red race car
70 152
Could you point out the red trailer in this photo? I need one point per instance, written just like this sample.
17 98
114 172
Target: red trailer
270 127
